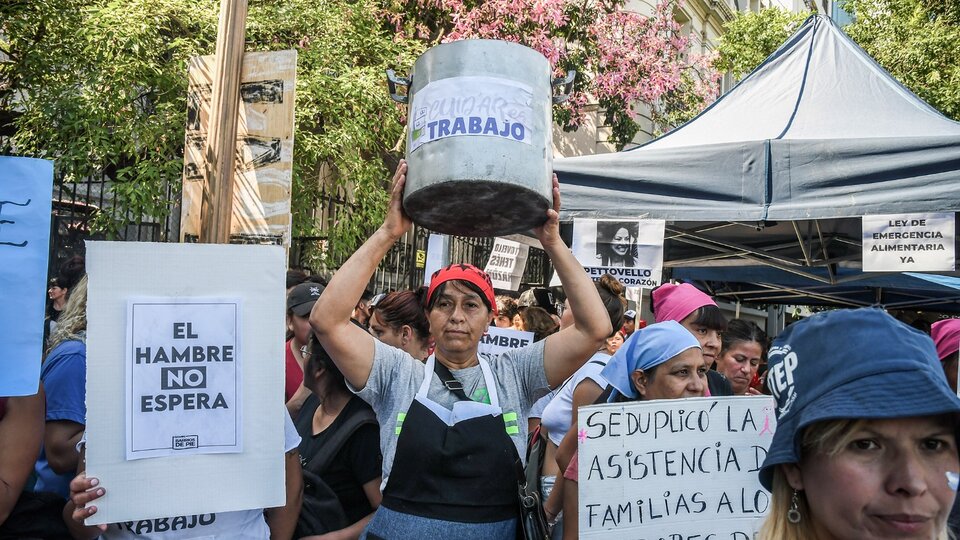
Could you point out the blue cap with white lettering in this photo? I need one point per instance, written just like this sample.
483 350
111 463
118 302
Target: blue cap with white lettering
849 364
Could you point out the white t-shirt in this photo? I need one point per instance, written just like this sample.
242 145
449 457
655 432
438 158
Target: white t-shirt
558 414
242 524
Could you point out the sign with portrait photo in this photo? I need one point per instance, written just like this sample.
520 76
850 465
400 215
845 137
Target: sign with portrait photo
629 250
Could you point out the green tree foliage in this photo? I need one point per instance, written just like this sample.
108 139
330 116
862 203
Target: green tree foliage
917 41
752 36
101 86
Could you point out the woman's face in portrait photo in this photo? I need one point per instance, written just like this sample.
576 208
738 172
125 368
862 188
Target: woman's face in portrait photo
620 243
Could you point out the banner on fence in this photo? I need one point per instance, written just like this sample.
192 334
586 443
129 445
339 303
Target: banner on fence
909 243
170 327
629 250
507 261
264 165
25 188
674 468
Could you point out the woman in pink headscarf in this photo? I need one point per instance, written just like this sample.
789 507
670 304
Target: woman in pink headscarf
946 336
699 314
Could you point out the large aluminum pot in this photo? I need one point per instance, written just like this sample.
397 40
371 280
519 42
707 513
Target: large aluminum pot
479 137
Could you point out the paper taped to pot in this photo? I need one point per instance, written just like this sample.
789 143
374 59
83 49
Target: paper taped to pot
183 377
674 468
264 160
507 261
471 106
629 250
909 242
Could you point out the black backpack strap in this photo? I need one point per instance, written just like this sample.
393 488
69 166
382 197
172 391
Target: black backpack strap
448 380
339 437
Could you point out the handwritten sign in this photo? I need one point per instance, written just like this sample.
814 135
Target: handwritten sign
506 263
26 186
629 250
497 340
909 242
675 468
183 377
471 106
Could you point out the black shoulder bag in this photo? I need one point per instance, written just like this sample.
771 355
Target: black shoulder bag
532 522
321 511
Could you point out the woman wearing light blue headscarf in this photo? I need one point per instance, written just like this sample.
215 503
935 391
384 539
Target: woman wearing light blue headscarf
661 361
635 371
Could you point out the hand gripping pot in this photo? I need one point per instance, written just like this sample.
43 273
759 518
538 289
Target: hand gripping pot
479 137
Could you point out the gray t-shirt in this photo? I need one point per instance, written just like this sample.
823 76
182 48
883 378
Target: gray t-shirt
396 377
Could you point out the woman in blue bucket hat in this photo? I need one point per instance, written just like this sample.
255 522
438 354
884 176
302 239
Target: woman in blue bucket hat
866 441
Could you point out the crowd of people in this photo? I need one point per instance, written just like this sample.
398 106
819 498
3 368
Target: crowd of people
398 427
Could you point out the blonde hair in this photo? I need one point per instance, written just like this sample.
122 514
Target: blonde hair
73 320
829 437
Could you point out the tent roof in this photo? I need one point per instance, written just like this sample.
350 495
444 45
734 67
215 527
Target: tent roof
819 130
778 171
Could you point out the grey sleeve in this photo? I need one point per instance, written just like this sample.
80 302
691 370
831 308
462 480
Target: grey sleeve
527 363
389 363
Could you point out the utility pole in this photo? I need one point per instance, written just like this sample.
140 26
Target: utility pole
221 146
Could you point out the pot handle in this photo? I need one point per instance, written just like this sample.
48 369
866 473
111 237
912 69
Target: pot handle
566 86
393 82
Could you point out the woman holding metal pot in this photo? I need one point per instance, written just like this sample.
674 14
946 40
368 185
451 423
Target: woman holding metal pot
452 429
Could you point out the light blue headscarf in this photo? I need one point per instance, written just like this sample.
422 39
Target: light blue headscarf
644 349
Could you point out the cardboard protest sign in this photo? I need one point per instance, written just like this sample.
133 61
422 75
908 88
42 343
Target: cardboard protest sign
177 322
472 107
629 250
909 242
506 263
497 340
264 165
26 186
674 468
183 376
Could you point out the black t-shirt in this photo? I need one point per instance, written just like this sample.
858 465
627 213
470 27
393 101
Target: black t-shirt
357 462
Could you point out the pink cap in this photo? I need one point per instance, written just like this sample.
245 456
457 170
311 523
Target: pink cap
674 302
946 336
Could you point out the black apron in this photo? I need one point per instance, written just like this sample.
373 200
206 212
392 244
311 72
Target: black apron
454 465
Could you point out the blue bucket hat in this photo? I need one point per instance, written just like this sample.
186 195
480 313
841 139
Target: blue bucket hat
645 349
850 364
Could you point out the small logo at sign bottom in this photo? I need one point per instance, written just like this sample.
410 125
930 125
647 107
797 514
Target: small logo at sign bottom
183 442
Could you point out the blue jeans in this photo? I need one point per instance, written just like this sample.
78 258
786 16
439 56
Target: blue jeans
389 525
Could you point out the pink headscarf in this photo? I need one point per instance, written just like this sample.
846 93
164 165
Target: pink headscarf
674 302
946 336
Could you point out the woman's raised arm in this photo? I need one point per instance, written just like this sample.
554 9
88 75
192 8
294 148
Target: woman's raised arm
349 346
567 350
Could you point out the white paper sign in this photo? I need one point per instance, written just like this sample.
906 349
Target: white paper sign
437 248
183 376
674 468
629 250
250 281
506 263
471 106
497 340
909 243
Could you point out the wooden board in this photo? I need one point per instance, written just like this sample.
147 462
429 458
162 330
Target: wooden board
264 164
